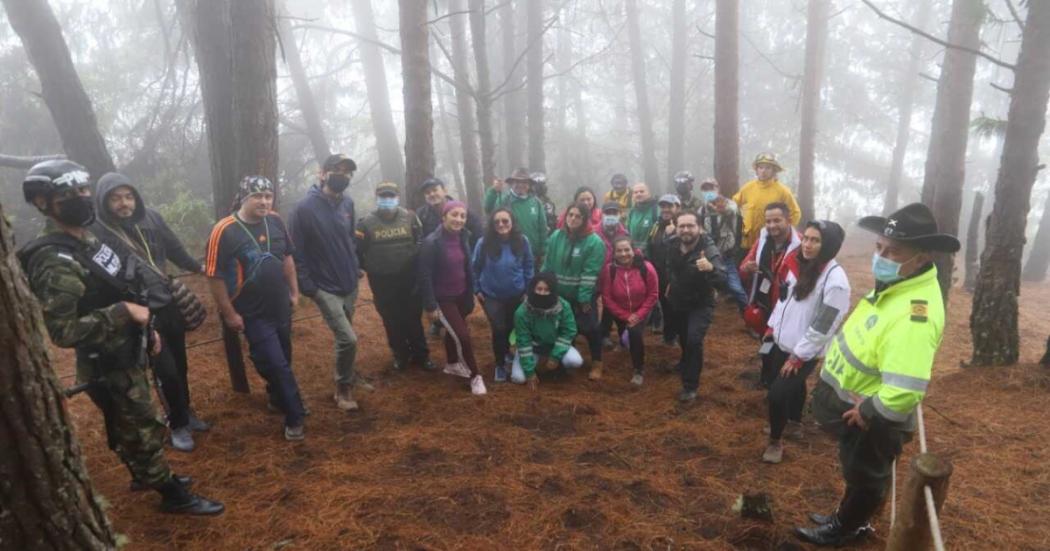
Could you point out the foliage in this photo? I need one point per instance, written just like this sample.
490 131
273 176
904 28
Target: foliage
190 217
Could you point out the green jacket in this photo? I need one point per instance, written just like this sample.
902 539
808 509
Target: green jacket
529 214
552 329
640 222
884 352
389 246
576 263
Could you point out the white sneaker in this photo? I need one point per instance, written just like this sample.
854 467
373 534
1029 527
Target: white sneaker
459 369
477 386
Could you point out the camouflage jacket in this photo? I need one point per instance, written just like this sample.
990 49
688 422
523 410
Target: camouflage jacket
80 308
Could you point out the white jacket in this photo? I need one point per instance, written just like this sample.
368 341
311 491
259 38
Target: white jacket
804 327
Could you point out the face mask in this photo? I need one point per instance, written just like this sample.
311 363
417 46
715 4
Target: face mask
387 203
542 302
710 196
610 219
684 189
77 212
886 270
540 189
337 182
515 194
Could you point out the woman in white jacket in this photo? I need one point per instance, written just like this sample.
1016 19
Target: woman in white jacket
814 299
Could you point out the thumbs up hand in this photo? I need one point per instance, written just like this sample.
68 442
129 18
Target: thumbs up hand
703 264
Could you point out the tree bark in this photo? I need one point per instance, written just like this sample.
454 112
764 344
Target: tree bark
679 63
468 140
946 158
254 67
993 322
513 108
419 111
208 24
46 498
816 40
391 162
534 22
909 82
314 128
641 93
973 231
1039 253
478 36
60 86
727 95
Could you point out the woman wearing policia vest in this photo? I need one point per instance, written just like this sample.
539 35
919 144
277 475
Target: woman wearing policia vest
813 300
878 367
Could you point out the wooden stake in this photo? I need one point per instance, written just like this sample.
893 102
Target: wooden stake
235 360
911 531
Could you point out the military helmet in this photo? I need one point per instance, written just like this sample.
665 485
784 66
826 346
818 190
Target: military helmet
55 176
683 177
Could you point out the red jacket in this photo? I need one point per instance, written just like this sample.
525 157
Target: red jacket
627 291
620 230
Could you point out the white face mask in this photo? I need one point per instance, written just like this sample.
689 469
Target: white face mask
610 219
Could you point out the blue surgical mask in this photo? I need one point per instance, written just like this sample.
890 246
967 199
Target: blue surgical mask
387 203
886 270
709 196
610 219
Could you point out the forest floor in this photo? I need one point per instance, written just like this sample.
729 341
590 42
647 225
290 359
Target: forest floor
579 465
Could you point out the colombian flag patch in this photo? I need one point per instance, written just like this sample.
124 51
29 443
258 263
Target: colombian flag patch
918 310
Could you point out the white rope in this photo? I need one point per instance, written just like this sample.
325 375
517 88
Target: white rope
922 429
893 494
935 525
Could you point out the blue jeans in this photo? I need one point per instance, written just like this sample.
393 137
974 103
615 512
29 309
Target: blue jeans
736 287
270 347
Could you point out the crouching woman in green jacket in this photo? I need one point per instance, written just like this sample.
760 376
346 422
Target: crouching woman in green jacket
544 327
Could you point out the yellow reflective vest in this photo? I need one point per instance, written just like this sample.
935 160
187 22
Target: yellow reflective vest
884 352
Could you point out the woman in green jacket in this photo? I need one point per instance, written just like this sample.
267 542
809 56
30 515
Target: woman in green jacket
575 254
544 328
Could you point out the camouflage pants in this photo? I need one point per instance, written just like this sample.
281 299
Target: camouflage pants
133 430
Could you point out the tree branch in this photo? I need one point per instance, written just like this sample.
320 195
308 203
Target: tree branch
929 36
18 161
1013 11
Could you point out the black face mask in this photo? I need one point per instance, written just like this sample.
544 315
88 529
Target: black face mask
539 189
542 302
685 190
337 182
77 212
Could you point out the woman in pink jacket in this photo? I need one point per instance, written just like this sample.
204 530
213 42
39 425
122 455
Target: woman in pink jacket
630 289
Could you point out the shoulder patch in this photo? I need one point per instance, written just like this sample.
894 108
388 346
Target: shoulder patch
919 311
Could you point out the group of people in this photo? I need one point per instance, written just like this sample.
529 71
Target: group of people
542 278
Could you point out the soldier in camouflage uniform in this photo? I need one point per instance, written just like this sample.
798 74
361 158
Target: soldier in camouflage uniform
683 187
81 287
539 187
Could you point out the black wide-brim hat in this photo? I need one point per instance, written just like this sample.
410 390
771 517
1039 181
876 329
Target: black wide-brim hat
915 225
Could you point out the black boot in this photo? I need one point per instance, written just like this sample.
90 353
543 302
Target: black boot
176 499
831 534
820 519
185 480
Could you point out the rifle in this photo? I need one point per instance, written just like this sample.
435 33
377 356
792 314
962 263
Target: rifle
139 291
82 387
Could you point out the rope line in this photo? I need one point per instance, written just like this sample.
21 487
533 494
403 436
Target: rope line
931 506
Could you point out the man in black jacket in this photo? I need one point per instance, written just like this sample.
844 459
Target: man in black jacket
694 269
435 195
126 225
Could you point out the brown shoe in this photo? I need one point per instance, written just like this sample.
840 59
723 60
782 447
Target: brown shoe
344 399
596 370
774 452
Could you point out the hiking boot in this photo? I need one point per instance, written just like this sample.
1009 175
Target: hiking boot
344 398
774 452
294 434
637 379
196 424
500 374
458 369
176 499
137 486
182 439
596 370
687 396
435 331
832 534
399 364
477 386
670 340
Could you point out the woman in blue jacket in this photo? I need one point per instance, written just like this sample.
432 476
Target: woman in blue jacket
502 266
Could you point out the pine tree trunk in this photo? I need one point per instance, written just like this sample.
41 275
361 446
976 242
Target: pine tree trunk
391 162
676 114
727 95
60 86
946 159
468 140
314 128
207 22
254 67
1039 253
419 116
46 498
973 231
909 82
816 40
513 108
993 321
478 37
534 22
641 93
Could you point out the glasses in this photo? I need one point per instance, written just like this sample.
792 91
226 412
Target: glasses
501 221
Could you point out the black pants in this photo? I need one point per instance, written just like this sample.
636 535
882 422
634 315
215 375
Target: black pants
691 327
588 325
635 338
500 313
397 300
787 395
171 368
270 347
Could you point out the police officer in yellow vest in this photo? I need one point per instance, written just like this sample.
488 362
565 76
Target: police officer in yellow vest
878 367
